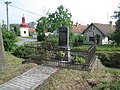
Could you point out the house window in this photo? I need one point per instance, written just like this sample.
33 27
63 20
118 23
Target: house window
93 28
91 39
24 32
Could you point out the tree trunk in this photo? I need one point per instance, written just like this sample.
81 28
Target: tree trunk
3 60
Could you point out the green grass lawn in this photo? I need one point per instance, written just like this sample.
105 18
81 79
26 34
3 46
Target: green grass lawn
109 48
82 47
100 48
15 67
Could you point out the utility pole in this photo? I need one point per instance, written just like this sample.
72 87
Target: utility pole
7 3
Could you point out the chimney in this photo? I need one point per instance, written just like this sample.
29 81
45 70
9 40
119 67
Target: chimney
76 24
87 25
110 23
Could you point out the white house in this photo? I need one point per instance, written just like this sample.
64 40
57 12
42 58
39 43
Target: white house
98 31
24 31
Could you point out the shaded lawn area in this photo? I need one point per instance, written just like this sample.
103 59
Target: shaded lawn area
15 67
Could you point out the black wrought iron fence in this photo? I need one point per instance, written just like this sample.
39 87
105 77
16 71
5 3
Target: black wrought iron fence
78 59
73 58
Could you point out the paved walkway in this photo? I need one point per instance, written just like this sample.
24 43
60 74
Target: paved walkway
30 79
24 40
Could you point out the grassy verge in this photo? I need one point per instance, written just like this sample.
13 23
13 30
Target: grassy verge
100 48
15 67
107 79
67 79
82 47
107 48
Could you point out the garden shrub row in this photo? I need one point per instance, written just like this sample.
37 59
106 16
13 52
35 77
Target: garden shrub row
110 59
20 52
9 39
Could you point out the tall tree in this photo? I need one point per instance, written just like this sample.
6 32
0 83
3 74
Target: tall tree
116 34
3 61
41 26
61 17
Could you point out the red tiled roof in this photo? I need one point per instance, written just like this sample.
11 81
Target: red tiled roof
78 28
25 25
32 30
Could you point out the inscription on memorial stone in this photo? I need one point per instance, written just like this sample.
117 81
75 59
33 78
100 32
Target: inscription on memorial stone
63 38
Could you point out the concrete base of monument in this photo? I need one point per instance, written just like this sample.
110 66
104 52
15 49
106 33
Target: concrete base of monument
68 54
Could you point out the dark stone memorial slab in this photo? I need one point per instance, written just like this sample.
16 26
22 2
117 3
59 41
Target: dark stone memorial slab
64 41
63 37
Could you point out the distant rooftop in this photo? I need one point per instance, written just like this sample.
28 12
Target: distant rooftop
78 28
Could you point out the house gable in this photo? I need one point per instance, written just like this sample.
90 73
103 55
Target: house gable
102 30
91 28
105 29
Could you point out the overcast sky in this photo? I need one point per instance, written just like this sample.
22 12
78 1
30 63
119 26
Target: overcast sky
83 11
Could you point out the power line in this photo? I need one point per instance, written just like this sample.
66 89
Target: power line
25 10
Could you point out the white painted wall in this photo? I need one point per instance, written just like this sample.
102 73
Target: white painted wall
105 40
22 32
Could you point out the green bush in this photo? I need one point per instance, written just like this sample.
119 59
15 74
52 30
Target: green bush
23 51
50 42
110 59
20 52
9 39
78 60
60 55
52 38
41 37
77 40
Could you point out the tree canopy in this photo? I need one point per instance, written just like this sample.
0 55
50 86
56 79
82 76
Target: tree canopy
61 17
41 26
116 34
